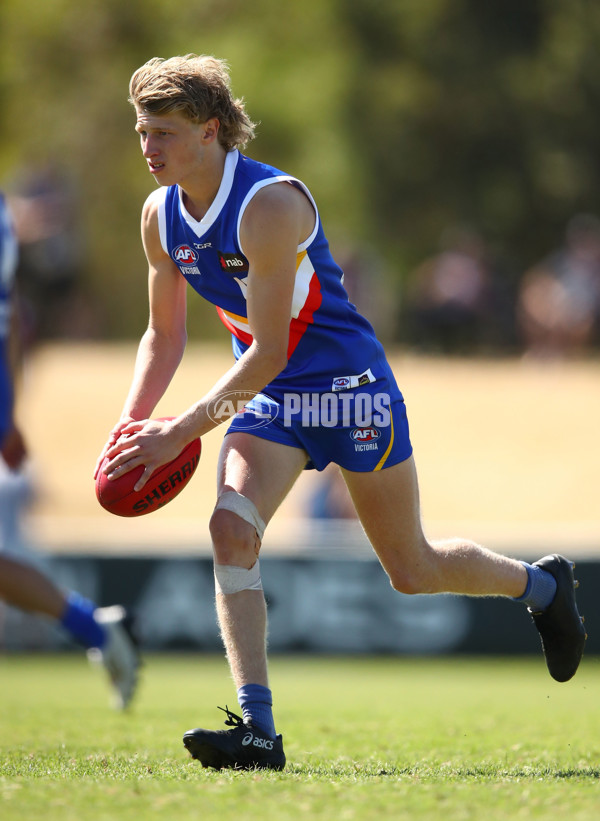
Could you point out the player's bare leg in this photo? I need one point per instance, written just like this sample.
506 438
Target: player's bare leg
242 616
262 472
387 503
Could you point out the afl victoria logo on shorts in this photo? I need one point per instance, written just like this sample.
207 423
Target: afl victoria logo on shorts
365 438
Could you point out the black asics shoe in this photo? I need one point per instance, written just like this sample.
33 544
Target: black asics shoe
560 625
244 748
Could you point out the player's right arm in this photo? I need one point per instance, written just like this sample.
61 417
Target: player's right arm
163 343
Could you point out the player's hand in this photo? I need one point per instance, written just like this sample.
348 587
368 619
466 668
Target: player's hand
150 442
14 450
112 440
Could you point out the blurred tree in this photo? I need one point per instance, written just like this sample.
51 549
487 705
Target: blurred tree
480 113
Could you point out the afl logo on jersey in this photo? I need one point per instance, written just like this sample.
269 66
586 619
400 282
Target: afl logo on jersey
184 255
365 434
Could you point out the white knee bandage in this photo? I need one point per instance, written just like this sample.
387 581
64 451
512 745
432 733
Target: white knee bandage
243 507
230 579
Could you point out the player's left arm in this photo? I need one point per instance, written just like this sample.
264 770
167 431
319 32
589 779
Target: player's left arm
276 221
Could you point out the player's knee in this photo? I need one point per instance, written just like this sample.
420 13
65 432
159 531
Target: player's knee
412 584
235 541
417 578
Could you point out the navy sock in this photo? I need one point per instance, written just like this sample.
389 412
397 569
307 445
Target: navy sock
78 619
256 702
540 590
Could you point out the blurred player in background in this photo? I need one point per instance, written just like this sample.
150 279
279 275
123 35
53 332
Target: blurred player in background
310 374
105 631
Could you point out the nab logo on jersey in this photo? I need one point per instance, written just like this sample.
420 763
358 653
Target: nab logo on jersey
184 255
233 263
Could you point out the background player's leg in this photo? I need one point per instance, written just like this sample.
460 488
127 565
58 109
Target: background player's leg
23 586
263 472
107 629
387 503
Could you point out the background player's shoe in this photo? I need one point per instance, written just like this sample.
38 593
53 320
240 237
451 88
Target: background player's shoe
244 748
120 655
560 625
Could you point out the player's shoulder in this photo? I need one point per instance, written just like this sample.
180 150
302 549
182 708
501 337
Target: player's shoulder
153 225
153 211
281 196
154 202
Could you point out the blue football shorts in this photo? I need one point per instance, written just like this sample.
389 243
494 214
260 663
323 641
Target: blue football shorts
364 429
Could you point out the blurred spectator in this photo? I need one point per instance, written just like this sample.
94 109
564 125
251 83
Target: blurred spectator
51 253
330 498
558 305
454 302
367 285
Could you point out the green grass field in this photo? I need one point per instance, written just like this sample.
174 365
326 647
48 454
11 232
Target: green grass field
366 738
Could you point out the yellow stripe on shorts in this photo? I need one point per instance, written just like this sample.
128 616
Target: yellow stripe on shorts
381 462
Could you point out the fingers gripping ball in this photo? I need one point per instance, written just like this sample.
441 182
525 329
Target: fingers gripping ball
167 482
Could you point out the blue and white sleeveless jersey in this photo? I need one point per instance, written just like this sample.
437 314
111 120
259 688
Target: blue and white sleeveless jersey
331 346
8 266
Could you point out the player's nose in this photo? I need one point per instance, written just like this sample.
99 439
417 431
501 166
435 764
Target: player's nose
149 148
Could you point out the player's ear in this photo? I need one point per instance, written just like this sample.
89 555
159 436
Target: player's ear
210 130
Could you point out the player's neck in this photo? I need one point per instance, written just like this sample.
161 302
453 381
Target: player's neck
200 191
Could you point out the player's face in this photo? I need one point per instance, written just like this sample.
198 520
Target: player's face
173 147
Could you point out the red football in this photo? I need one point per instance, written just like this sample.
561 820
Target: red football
119 497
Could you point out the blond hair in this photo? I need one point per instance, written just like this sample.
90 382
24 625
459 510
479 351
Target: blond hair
197 86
